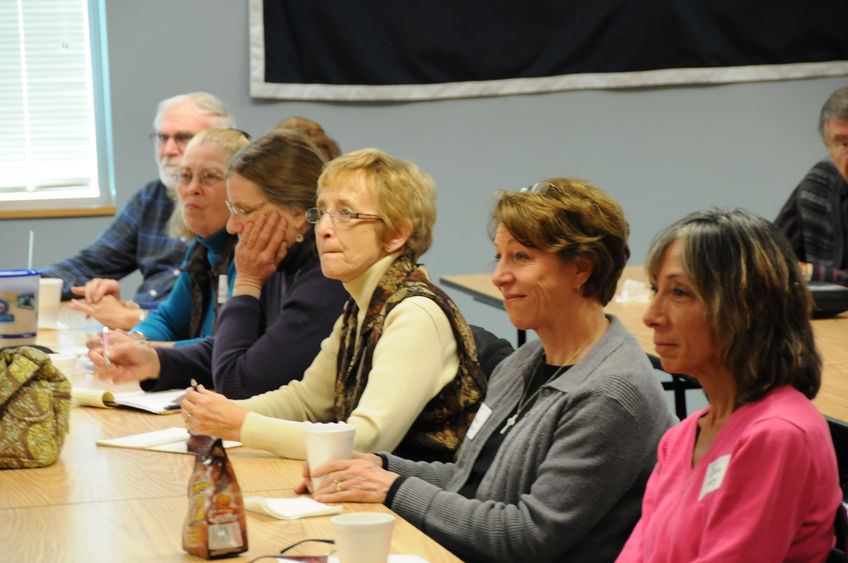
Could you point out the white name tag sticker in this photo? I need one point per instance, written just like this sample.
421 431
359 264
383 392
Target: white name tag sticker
223 288
480 419
715 475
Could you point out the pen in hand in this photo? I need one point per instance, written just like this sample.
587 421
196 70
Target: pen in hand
106 359
177 402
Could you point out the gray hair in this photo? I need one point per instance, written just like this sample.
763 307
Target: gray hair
231 139
204 102
836 107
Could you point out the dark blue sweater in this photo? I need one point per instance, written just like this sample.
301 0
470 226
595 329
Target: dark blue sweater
261 344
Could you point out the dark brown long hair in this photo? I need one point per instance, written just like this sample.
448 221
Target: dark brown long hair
757 302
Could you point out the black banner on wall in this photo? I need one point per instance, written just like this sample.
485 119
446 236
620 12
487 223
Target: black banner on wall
403 50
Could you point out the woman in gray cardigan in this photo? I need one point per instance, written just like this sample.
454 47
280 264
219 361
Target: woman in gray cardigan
554 465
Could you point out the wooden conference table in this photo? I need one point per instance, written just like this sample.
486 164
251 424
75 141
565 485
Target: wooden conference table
115 504
831 334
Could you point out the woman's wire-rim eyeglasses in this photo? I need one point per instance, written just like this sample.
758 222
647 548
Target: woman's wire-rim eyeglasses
298 557
337 215
238 211
206 178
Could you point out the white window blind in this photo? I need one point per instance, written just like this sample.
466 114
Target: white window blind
48 126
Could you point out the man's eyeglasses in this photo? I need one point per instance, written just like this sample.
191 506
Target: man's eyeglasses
239 212
337 215
206 178
161 139
542 188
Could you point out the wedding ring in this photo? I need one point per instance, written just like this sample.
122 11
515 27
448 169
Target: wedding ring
284 247
338 485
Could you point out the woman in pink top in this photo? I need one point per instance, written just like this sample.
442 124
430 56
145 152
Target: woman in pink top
752 477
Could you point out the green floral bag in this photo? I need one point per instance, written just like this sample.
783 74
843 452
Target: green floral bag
35 400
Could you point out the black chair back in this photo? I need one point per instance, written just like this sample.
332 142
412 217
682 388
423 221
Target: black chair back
678 384
490 349
839 554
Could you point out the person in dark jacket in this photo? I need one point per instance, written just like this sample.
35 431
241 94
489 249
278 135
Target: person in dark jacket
282 306
815 218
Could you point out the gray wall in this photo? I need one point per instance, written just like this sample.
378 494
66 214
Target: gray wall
659 152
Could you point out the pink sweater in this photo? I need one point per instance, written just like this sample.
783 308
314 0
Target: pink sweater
766 490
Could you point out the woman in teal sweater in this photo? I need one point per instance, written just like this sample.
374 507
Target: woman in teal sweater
207 275
172 320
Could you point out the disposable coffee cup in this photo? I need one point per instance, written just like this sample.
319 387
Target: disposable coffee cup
49 297
363 537
18 307
325 442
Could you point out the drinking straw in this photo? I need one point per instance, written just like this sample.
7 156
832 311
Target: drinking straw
29 259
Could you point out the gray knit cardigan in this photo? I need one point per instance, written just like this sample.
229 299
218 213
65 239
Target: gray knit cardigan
568 479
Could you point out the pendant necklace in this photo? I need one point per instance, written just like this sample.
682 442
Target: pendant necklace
524 401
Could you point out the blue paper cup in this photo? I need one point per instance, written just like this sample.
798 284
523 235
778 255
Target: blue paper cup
18 306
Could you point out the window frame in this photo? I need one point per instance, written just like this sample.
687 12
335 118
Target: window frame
104 203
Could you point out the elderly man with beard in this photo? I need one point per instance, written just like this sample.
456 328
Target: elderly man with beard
138 238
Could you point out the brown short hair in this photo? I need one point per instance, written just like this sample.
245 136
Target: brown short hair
328 147
757 303
405 194
572 219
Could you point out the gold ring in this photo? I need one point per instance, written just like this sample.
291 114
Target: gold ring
338 485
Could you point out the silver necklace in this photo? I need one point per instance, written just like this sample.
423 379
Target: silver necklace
524 401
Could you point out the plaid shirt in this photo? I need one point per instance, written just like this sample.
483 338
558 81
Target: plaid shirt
137 239
806 233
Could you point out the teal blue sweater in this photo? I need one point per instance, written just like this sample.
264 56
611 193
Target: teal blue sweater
171 320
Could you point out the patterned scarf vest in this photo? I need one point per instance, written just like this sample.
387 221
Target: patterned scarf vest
203 281
438 431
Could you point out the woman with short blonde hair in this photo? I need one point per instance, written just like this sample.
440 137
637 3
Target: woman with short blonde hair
401 363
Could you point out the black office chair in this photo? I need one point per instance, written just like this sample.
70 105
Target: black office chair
490 349
839 554
839 435
678 384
